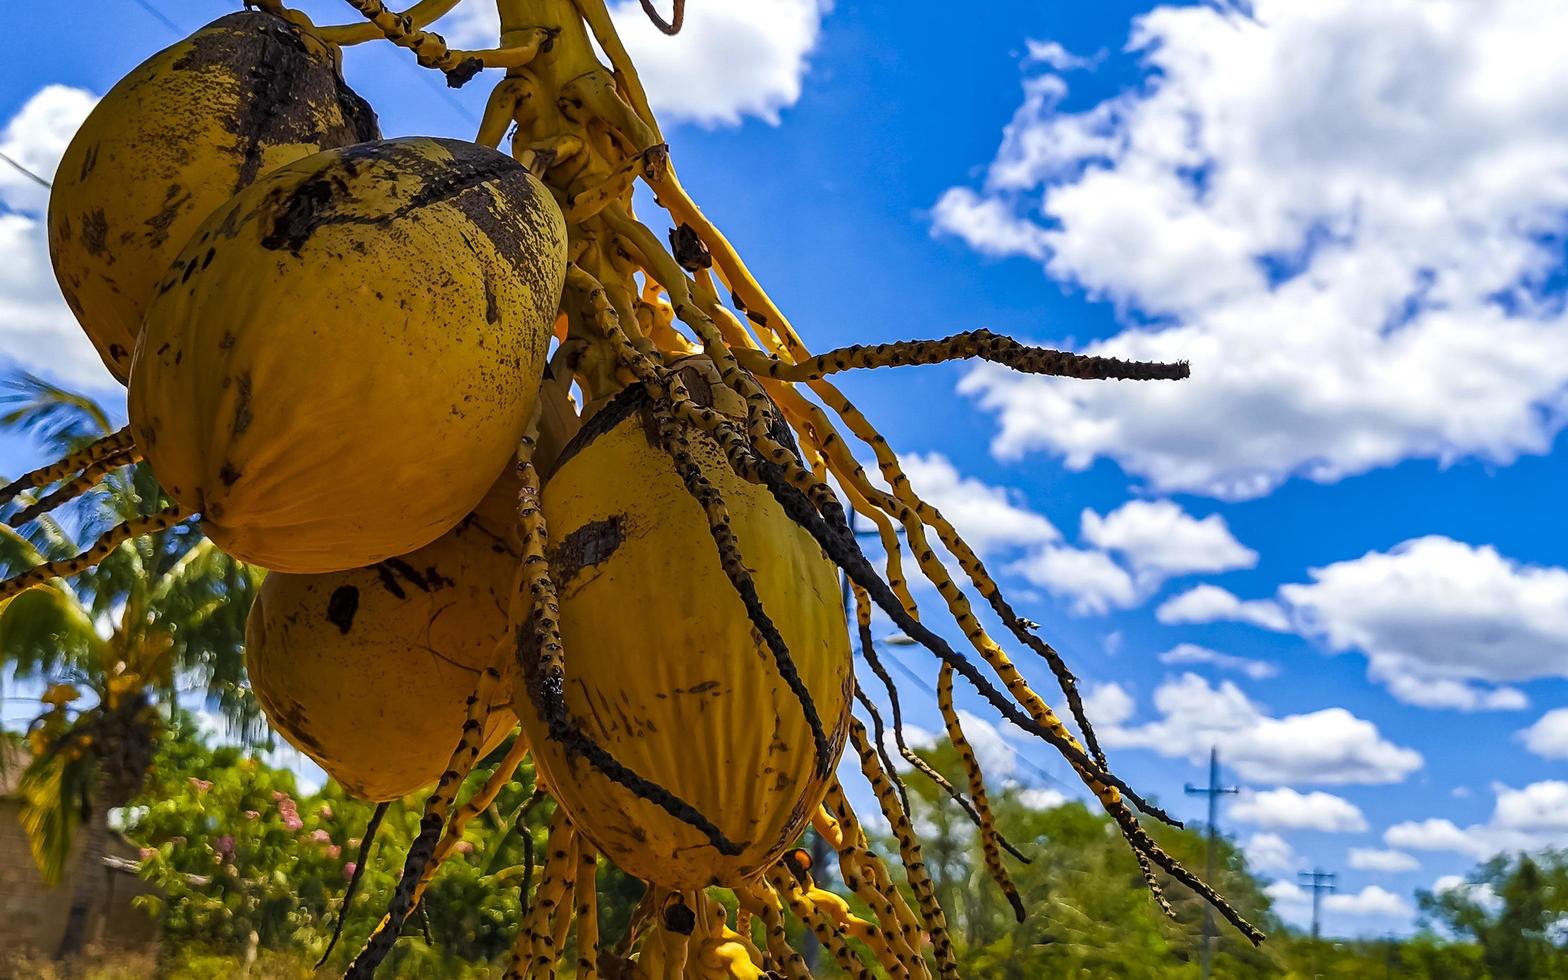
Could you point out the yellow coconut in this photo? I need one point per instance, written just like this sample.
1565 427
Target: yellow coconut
345 355
368 671
665 670
182 133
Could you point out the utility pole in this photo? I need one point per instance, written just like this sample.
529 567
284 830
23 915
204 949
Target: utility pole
1319 881
1213 791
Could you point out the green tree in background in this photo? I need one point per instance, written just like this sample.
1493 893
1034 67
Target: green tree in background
111 646
1090 915
1089 911
253 873
1515 908
249 865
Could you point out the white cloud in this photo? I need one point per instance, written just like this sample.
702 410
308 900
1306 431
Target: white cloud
1054 55
1526 819
1481 894
1537 808
1434 834
36 138
1092 579
915 737
997 758
989 517
1156 537
1346 215
1133 550
729 61
1548 737
1041 798
1287 809
987 225
36 328
1191 653
1326 746
1270 852
1371 901
1374 859
1108 704
1210 603
1436 616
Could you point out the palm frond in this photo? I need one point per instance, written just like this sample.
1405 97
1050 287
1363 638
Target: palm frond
57 794
66 420
46 631
17 553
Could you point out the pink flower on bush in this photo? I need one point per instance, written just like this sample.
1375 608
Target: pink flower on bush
320 836
225 845
252 815
289 811
325 812
463 847
278 796
202 785
334 852
148 853
348 869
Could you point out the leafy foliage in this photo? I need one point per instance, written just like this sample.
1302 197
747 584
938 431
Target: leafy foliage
237 849
159 611
1515 908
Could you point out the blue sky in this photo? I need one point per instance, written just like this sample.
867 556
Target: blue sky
1336 552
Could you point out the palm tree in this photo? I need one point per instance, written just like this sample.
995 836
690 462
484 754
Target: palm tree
111 647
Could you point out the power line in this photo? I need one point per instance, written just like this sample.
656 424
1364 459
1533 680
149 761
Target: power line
159 16
41 181
462 109
1029 763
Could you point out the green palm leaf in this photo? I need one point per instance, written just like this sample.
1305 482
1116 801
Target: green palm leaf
57 791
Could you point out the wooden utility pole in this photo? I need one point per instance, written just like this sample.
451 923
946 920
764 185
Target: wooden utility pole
1213 791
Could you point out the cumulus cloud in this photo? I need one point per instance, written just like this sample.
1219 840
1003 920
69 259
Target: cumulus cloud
1133 551
1041 798
1479 893
1158 538
1370 902
1375 859
36 329
996 756
1053 54
1108 704
36 138
1330 745
1210 603
1191 653
1440 621
1093 580
1524 819
1270 852
1548 737
1327 207
987 225
989 517
730 61
1287 809
915 737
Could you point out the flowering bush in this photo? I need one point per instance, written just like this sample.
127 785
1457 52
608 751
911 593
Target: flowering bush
247 861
